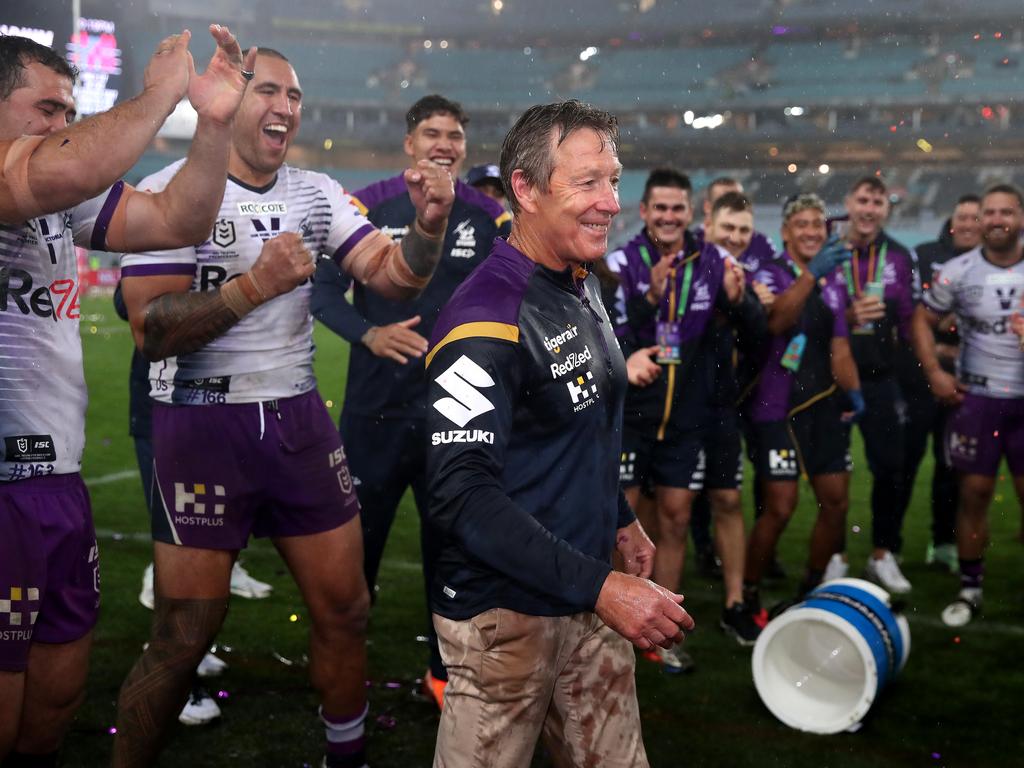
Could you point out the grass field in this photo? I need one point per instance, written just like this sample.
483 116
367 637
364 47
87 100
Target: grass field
954 705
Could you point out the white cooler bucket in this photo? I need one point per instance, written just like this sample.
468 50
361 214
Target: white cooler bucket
819 666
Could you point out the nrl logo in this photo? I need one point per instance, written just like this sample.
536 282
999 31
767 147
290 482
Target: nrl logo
224 233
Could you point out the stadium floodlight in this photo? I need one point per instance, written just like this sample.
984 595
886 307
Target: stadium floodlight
823 168
688 117
589 52
793 111
708 121
496 6
791 168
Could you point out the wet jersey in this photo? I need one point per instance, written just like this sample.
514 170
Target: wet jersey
983 296
42 384
268 354
822 319
526 392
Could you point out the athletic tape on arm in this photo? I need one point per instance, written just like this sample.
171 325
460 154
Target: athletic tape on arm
20 204
375 252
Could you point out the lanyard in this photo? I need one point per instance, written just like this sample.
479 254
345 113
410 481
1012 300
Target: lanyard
874 270
684 293
645 255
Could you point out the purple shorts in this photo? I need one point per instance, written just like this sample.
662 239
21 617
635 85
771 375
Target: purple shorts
49 565
223 472
984 429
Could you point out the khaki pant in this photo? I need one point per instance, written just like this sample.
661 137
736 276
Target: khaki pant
512 676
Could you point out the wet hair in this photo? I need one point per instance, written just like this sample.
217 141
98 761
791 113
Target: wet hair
1006 189
970 197
527 146
736 202
431 105
666 177
16 53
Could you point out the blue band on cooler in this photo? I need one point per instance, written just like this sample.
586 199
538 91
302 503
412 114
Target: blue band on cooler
869 616
879 609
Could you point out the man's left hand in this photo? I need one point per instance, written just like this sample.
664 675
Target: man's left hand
637 550
432 192
216 93
733 281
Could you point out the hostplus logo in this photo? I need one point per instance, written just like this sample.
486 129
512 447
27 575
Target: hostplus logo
582 391
781 461
199 500
18 612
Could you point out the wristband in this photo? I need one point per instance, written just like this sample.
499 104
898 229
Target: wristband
237 298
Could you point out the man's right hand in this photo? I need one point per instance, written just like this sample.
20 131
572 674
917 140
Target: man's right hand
640 369
659 278
867 309
641 611
396 341
945 387
168 70
284 264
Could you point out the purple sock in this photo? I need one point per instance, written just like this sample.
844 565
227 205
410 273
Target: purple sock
346 740
972 573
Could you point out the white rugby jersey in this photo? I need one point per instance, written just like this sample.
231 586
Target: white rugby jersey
983 296
268 354
42 385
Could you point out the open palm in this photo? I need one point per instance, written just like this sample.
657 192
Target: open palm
217 93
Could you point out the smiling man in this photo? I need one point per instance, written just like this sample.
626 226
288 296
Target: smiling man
983 287
59 188
386 390
667 297
526 390
242 441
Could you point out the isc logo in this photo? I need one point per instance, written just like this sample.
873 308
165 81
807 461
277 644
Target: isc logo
16 286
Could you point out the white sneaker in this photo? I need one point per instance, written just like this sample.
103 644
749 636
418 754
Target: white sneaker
837 568
886 573
211 666
146 595
199 709
960 612
244 585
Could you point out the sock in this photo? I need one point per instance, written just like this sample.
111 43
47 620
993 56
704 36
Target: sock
346 742
972 573
752 596
20 760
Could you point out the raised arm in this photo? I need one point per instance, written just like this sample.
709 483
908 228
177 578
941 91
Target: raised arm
402 271
183 213
43 175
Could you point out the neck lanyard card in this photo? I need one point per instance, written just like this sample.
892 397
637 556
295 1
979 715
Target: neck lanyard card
670 331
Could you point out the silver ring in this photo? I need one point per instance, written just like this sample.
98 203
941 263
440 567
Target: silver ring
248 75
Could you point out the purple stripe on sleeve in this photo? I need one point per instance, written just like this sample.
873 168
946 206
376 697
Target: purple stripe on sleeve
345 248
99 229
149 270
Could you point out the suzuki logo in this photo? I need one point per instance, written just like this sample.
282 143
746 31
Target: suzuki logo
461 381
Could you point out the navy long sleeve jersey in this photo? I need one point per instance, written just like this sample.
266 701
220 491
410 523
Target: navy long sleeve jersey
526 390
382 387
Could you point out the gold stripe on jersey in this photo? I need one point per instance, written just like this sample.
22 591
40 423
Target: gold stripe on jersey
486 330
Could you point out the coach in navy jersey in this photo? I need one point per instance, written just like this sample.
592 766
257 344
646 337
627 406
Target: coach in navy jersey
59 188
242 443
385 392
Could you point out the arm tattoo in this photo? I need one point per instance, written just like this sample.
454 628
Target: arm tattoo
179 323
421 253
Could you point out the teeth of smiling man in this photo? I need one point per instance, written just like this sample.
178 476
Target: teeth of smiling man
442 160
276 128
